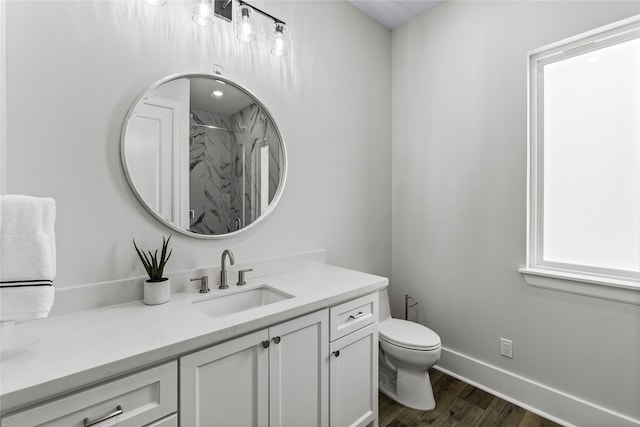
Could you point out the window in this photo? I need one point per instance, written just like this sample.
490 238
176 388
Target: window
584 163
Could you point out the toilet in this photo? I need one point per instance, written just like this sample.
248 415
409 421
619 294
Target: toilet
407 351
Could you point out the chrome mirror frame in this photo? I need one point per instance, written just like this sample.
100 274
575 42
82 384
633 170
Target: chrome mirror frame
171 225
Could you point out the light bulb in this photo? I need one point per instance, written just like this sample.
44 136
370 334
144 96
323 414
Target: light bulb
203 12
245 31
279 40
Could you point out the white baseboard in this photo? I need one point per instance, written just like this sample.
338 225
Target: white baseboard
535 397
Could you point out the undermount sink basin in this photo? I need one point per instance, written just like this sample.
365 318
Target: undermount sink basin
241 300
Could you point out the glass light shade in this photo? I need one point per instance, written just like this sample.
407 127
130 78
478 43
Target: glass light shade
279 40
245 29
203 12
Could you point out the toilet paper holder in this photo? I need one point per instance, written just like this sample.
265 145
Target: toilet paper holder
407 306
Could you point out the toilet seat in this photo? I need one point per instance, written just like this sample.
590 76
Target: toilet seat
410 335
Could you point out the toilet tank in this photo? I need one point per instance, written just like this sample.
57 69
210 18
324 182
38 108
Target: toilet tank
385 308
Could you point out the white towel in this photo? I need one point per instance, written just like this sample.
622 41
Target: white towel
26 302
27 238
27 257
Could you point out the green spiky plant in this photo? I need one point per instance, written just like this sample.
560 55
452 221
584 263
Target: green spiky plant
152 264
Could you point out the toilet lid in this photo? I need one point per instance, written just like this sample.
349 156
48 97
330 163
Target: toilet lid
408 334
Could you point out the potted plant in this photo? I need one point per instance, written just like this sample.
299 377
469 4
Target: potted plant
157 289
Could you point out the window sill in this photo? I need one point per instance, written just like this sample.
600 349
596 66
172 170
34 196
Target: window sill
625 291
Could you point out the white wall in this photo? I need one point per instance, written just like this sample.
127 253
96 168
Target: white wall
459 133
74 68
3 98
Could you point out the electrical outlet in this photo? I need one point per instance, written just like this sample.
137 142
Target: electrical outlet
506 348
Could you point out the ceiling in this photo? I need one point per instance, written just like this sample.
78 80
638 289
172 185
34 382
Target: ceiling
230 102
393 13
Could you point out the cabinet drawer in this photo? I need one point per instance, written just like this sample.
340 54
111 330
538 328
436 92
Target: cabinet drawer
353 315
170 421
134 400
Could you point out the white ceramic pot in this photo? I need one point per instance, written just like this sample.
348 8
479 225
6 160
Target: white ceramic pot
157 292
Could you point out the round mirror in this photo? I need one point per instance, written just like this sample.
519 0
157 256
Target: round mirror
203 155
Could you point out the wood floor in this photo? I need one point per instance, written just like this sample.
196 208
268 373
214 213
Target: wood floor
458 404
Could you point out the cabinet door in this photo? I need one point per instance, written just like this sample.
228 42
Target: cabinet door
353 378
299 372
227 384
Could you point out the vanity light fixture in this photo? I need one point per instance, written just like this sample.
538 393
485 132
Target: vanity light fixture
203 12
279 40
245 28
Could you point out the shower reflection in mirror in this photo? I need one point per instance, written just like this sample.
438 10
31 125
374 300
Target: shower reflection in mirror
233 174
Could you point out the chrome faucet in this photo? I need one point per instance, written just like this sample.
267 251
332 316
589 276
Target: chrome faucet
223 268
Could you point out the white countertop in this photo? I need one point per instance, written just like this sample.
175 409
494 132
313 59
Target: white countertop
46 358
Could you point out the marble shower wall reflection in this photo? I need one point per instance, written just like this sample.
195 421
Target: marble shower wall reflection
259 132
225 168
210 172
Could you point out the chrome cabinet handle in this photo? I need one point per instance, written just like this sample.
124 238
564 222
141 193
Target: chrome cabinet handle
276 340
357 316
266 343
336 353
89 423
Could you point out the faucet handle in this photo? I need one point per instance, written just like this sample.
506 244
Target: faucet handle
241 281
204 284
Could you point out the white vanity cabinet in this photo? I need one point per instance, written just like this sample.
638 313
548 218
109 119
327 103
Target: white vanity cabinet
307 361
277 377
354 363
316 370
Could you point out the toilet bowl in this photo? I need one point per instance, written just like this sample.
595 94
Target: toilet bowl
407 351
